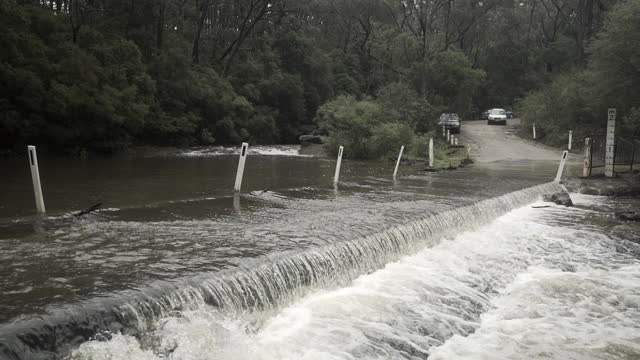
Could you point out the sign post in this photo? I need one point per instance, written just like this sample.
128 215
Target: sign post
336 176
561 167
35 177
587 157
534 131
240 172
431 152
570 139
395 172
610 146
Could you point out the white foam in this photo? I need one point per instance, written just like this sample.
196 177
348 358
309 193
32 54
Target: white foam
275 150
533 284
119 347
548 313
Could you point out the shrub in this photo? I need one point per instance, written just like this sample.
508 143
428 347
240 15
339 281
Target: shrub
388 137
347 121
568 103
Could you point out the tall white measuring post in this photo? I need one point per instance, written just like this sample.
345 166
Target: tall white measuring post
561 167
336 177
570 140
395 172
448 135
587 157
431 152
611 143
35 177
241 162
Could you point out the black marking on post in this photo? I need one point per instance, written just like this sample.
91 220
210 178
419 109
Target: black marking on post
564 156
31 157
244 150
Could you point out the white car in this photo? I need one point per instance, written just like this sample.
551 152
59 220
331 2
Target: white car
497 117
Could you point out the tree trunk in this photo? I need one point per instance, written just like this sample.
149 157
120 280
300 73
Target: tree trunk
195 49
160 26
583 26
247 26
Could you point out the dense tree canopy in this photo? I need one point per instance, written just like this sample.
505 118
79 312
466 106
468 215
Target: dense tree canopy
608 77
104 74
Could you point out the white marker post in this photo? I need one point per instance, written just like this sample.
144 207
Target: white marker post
611 143
587 157
534 131
236 202
240 172
35 177
431 152
452 140
570 139
444 133
468 151
336 177
456 142
395 172
561 167
448 135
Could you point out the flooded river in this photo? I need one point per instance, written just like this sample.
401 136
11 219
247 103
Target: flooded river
451 265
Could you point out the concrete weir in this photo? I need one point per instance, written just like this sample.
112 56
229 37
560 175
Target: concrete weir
271 284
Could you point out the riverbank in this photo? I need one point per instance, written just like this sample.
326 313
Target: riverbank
624 189
447 157
621 185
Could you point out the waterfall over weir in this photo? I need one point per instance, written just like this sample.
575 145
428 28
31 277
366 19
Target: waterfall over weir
269 283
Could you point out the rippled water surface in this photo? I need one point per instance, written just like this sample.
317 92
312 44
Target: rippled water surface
446 265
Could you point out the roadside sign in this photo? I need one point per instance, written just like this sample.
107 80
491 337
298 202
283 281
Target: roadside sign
610 147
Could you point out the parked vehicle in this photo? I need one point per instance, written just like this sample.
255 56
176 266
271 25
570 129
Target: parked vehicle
497 117
451 122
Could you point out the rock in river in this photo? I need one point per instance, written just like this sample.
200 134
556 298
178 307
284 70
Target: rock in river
306 140
560 198
628 215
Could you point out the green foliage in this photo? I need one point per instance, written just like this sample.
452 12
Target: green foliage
101 75
402 103
369 128
568 103
631 122
386 138
349 122
65 96
579 100
453 81
615 57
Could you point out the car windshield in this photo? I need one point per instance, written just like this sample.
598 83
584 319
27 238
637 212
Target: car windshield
498 112
448 117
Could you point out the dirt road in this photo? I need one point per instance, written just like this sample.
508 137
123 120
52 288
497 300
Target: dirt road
493 143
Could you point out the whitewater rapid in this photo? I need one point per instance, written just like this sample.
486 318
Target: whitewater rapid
550 283
271 150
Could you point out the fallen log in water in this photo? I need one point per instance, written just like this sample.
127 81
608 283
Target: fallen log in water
88 210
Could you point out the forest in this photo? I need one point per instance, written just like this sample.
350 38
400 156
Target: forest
103 75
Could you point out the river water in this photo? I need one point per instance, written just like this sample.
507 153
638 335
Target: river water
453 265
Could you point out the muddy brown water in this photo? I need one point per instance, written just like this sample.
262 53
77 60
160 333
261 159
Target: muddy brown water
173 250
